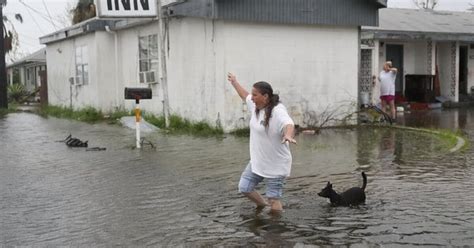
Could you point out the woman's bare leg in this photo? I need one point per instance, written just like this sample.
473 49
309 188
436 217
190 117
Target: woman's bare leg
384 106
275 205
393 110
256 198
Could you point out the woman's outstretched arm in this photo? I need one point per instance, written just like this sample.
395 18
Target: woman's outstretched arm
240 90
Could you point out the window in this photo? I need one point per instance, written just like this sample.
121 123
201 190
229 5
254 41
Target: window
148 58
82 65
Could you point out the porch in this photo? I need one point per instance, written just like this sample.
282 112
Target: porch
434 57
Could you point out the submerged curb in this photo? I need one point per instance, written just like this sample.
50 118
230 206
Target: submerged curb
461 142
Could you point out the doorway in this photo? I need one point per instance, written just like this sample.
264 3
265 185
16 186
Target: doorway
43 88
395 54
463 50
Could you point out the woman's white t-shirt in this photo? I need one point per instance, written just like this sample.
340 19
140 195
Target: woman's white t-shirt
387 83
268 156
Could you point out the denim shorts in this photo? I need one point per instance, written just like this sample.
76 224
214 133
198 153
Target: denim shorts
249 180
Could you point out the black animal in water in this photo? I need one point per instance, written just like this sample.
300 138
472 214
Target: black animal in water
351 197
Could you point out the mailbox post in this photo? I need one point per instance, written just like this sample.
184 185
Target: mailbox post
137 94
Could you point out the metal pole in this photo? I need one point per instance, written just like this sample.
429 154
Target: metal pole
3 70
164 75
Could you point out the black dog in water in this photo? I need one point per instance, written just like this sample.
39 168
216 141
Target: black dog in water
350 197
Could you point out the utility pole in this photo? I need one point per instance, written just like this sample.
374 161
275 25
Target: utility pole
164 74
3 70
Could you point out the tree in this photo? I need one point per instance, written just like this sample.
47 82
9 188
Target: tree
426 4
9 38
85 9
9 31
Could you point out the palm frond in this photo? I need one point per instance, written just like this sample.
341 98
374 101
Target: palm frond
19 18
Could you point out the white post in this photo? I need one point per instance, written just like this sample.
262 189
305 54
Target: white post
137 122
164 77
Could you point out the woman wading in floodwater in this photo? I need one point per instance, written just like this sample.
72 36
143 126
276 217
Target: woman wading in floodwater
271 131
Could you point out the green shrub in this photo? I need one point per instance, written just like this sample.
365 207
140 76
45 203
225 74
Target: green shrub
178 123
158 121
88 114
17 93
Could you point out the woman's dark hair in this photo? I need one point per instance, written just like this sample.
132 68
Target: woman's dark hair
265 88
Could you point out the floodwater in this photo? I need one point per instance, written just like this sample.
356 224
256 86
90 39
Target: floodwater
184 193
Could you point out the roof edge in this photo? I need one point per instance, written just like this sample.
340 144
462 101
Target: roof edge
415 35
33 57
382 2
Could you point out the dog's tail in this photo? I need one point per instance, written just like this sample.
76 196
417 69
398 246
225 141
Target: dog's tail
364 178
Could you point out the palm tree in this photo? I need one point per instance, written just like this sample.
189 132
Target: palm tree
9 31
85 9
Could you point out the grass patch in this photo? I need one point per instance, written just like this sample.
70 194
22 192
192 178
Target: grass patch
87 114
241 132
450 138
158 121
179 125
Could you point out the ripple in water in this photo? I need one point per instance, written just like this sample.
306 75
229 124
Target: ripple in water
185 191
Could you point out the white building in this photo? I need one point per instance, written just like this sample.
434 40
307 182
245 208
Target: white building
27 71
421 42
308 50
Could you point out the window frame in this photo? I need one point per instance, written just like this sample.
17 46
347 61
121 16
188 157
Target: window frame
148 59
81 68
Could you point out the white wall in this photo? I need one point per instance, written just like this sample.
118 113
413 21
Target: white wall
128 57
415 57
60 57
107 81
312 67
196 80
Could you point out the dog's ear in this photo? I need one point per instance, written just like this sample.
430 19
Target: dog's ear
329 185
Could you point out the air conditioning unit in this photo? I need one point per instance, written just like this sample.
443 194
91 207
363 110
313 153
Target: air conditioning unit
149 77
78 81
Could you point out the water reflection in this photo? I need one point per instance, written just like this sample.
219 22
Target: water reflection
453 119
185 191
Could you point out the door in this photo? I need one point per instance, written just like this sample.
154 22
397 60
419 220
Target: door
395 54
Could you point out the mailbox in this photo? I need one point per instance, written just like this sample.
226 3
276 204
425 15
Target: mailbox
137 93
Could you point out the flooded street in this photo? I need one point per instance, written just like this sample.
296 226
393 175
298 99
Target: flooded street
185 191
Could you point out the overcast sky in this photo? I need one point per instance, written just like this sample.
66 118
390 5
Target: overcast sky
41 17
